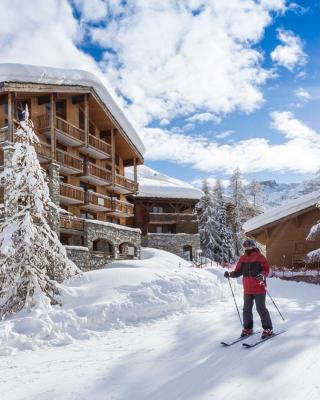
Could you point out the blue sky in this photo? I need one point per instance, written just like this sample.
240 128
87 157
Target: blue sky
209 85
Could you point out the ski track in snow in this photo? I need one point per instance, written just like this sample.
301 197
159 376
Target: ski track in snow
180 357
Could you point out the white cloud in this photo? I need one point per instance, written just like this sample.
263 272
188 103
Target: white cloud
299 151
303 94
169 62
92 10
290 54
204 117
224 135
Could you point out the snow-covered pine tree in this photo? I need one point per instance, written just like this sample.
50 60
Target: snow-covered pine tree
32 260
207 222
224 233
240 210
254 190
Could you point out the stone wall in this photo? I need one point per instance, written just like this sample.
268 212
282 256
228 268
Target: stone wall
174 243
88 258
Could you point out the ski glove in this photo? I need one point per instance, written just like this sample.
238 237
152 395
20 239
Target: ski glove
226 274
260 278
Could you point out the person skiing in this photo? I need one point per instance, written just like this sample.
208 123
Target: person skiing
254 268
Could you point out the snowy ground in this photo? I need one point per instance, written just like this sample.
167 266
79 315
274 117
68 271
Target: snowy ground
141 332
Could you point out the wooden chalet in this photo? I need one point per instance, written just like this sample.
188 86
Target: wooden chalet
283 230
83 131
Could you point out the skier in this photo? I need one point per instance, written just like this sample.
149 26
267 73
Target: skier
255 268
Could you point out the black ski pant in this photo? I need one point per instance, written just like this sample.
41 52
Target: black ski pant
260 300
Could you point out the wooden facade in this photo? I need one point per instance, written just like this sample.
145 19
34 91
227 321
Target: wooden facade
76 131
160 215
285 239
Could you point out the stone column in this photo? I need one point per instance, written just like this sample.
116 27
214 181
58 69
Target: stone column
54 187
7 163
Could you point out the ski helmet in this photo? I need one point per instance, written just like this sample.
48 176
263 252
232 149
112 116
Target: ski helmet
249 244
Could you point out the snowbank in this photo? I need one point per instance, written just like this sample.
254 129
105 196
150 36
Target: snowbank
125 293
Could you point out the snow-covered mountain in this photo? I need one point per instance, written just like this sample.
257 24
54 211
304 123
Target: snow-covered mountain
275 194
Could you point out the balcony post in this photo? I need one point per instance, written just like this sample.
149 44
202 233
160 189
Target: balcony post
10 116
86 119
52 125
113 156
135 172
54 187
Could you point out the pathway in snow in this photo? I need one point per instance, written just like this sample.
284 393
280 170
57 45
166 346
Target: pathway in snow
179 357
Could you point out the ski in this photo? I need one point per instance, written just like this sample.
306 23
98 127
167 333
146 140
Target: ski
248 346
237 340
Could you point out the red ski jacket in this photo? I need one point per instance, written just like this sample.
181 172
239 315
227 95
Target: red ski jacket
249 266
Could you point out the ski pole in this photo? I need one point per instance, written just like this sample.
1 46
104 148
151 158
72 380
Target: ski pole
234 299
272 300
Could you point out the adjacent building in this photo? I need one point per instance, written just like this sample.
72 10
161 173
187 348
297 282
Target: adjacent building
283 230
86 142
165 213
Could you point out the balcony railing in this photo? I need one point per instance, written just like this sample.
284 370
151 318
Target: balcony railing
70 129
96 171
43 149
69 160
122 207
99 144
68 222
98 200
125 183
42 122
72 192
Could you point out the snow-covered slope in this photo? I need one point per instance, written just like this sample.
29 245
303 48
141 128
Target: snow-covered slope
154 184
175 357
10 72
125 293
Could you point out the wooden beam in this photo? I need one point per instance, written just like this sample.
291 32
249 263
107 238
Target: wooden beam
10 116
52 125
113 155
135 174
86 119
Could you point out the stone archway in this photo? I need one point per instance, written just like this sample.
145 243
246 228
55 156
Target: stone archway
102 246
187 252
128 250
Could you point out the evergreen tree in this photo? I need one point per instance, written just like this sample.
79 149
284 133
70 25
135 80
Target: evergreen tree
254 190
215 235
225 252
32 260
207 223
241 210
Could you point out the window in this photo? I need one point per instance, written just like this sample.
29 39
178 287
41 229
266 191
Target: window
81 119
61 109
20 109
87 215
159 229
158 210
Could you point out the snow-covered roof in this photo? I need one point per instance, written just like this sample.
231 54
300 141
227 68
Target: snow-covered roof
156 185
10 72
275 214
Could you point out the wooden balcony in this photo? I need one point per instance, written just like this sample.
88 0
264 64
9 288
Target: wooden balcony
66 133
97 202
184 223
122 209
124 185
43 151
96 175
69 223
97 148
71 194
69 164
